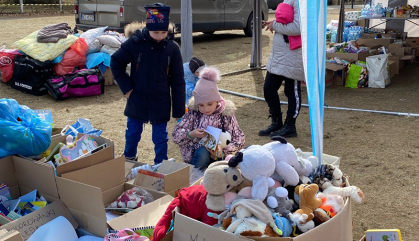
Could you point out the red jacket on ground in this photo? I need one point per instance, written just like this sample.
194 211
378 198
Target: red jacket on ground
191 202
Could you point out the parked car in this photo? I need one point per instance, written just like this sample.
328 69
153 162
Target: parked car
272 4
208 15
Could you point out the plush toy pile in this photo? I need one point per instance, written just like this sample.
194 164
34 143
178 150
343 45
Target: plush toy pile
265 191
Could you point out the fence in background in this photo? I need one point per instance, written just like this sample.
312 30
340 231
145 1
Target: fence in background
11 6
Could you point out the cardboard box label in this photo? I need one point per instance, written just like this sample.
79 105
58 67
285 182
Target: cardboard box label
28 224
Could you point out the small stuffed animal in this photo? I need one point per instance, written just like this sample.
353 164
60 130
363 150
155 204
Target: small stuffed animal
283 224
332 205
327 175
287 164
219 178
278 201
224 139
308 200
330 181
256 164
300 224
252 219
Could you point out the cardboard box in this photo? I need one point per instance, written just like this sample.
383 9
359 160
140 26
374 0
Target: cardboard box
86 193
28 224
10 235
108 76
392 66
171 177
56 131
396 59
412 42
98 157
22 177
337 228
349 56
335 73
373 42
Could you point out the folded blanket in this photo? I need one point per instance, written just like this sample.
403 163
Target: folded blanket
285 14
53 33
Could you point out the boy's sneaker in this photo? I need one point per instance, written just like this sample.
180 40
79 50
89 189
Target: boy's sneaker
131 159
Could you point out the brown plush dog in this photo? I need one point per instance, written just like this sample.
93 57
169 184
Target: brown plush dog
308 200
219 178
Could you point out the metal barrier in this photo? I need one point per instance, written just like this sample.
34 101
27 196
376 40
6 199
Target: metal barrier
21 4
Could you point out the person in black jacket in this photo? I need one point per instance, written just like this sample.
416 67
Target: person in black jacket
155 83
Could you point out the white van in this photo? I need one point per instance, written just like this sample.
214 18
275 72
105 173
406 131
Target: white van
208 15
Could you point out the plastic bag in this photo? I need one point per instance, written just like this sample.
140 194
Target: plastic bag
94 47
378 70
22 131
7 57
82 126
108 49
125 235
91 34
133 198
353 76
74 57
109 40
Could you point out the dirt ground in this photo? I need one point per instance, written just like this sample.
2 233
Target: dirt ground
369 144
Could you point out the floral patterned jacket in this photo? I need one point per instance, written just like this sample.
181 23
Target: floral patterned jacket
194 119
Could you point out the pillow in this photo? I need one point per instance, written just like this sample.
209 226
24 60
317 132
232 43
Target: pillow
109 40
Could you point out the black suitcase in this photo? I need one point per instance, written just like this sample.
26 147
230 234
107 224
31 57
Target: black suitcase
30 75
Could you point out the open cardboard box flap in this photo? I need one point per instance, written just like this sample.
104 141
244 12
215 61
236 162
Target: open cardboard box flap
98 157
150 215
86 192
28 224
10 236
170 177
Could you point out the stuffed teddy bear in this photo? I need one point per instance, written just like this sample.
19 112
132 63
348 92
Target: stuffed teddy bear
193 201
252 218
287 164
256 164
308 200
278 201
330 181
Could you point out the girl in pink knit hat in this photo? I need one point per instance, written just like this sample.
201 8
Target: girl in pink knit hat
207 108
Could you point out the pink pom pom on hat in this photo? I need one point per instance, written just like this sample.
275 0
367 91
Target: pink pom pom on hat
206 89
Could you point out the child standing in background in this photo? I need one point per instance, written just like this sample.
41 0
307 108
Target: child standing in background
191 71
206 108
155 83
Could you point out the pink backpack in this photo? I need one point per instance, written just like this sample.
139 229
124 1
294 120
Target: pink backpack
285 14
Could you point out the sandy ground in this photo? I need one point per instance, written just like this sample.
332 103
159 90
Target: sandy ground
379 152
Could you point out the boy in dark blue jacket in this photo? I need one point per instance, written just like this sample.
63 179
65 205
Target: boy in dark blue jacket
155 83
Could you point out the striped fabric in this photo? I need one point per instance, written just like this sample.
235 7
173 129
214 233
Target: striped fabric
313 16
